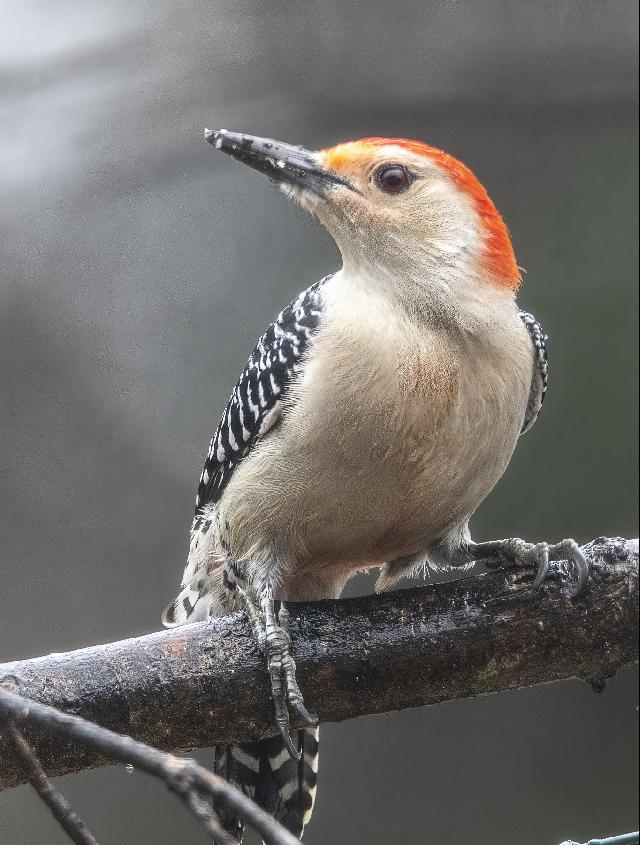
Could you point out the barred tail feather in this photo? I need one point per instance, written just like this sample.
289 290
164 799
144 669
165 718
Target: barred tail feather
289 790
264 771
240 766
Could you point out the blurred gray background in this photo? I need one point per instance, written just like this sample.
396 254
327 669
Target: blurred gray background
137 269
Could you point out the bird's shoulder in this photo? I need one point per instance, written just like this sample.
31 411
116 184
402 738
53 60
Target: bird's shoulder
255 403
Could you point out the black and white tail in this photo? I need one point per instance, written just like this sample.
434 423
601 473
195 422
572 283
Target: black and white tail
265 772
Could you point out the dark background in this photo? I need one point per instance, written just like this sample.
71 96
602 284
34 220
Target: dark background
138 268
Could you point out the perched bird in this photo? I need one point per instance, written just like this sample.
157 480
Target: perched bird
373 417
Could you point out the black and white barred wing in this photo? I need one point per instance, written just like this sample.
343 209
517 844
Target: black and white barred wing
540 369
255 404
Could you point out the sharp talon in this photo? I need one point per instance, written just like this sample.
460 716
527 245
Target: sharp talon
309 719
582 567
543 567
293 751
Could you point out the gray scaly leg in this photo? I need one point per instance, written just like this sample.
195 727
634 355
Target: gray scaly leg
270 630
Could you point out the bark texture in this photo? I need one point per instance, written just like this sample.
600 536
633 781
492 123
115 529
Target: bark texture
193 686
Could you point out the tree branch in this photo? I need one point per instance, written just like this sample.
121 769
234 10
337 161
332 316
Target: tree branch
185 777
60 808
203 683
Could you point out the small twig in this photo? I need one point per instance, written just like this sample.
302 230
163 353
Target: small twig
60 808
203 812
622 839
180 775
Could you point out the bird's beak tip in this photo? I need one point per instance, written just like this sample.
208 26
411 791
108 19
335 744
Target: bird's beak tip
281 162
214 136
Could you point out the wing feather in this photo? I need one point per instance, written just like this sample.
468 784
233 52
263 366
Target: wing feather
255 404
540 369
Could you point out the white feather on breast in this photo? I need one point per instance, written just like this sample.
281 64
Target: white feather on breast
393 434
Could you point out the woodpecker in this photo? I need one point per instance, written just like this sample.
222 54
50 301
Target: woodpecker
373 417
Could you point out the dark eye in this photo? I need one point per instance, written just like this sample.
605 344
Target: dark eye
393 178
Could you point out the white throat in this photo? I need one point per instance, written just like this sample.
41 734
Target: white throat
454 293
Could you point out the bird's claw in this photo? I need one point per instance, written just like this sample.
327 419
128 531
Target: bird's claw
309 719
271 632
539 556
580 564
294 753
570 551
541 553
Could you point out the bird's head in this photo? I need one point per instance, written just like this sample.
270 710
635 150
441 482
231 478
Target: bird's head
391 204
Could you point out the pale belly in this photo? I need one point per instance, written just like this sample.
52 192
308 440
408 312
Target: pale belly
416 442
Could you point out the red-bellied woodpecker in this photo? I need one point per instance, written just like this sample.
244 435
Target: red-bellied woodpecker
373 417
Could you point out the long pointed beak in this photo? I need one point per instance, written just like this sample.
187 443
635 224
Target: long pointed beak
283 162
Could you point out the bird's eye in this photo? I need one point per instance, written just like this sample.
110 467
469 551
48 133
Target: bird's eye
393 178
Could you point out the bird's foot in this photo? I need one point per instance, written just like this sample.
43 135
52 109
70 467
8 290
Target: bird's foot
270 627
516 552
